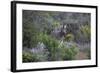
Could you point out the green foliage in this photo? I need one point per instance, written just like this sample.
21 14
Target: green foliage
51 44
56 24
86 31
68 53
38 27
34 57
29 35
58 52
69 37
29 57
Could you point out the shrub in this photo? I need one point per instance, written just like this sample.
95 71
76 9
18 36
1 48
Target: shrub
51 44
69 37
29 35
56 52
86 31
56 24
29 57
68 53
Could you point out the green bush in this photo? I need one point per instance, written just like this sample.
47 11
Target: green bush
51 44
34 57
29 35
29 57
56 24
58 52
69 37
86 31
68 53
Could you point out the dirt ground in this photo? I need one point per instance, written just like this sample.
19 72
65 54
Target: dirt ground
81 55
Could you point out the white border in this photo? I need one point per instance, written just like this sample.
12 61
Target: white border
21 65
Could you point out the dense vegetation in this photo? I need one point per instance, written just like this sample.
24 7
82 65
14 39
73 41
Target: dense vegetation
55 36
